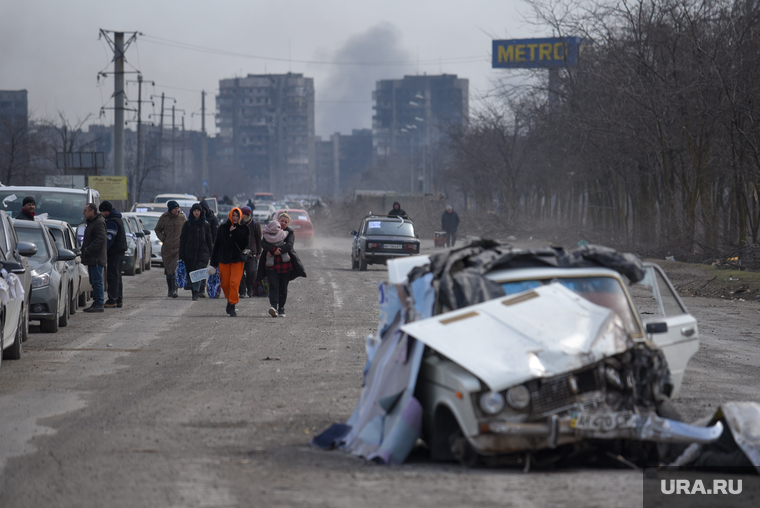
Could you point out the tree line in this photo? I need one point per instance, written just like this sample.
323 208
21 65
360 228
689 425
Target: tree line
652 140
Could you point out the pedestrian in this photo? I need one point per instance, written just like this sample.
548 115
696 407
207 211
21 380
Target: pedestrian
94 253
117 246
248 281
27 209
278 242
450 224
195 244
168 230
396 211
211 218
231 241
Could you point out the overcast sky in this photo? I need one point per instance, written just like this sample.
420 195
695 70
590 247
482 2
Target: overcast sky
52 49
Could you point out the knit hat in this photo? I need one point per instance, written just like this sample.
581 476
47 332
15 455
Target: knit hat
448 207
27 200
105 206
196 206
171 205
246 210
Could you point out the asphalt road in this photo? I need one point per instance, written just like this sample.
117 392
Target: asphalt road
170 403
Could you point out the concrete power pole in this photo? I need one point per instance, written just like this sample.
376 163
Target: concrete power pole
204 146
135 197
118 94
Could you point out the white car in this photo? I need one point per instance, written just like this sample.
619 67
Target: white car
263 212
149 220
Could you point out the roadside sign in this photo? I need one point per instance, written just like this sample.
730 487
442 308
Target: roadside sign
111 188
204 183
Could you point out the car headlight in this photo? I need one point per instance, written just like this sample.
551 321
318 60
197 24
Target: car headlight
518 397
39 281
492 402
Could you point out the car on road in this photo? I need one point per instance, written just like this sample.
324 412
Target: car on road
380 238
264 212
149 220
14 315
547 351
143 235
132 263
50 276
57 203
165 198
79 282
301 224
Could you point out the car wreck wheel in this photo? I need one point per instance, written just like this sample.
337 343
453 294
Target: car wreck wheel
463 450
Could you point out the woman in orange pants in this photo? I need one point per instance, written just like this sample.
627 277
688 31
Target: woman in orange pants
229 249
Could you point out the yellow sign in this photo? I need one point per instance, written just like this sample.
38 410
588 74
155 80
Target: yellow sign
111 188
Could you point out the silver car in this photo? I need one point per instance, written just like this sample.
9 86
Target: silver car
65 238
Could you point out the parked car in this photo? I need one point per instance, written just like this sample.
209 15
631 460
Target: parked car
301 224
57 203
263 197
14 317
132 263
149 220
165 198
264 212
538 351
50 276
143 234
65 238
380 238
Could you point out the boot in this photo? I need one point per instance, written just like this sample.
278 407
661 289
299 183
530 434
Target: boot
232 311
172 280
195 294
229 307
170 283
202 290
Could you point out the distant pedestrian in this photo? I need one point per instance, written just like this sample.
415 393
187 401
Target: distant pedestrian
231 240
168 230
94 253
117 245
211 218
450 224
248 281
27 209
396 211
278 241
195 244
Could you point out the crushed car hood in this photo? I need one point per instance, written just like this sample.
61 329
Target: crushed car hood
540 333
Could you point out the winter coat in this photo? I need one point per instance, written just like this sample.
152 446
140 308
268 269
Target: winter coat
95 242
168 230
229 244
23 215
395 213
450 222
287 246
254 242
117 236
213 220
195 243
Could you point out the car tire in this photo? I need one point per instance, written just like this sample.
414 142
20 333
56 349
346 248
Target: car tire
148 265
131 270
354 262
63 320
83 299
362 264
73 301
14 352
50 325
26 319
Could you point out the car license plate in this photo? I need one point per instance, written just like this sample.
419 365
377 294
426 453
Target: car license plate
391 246
604 421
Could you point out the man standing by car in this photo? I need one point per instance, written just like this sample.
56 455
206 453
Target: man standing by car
94 253
117 245
450 224
27 209
168 230
254 245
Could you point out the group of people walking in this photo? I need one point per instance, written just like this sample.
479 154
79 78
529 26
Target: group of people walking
239 249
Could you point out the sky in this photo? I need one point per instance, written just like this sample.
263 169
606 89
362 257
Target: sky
54 50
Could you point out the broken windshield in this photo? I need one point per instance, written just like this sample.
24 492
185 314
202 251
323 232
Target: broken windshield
603 291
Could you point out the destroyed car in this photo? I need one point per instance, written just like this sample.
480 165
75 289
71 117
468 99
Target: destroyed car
490 351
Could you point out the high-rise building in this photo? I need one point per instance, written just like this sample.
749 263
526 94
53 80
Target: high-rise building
341 160
15 144
413 113
14 104
266 130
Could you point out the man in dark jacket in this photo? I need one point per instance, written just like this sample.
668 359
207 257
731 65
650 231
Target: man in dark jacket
195 245
211 218
94 253
27 209
397 211
450 223
254 245
117 245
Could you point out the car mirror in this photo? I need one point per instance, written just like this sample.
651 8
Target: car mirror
13 266
140 234
26 249
66 255
147 232
657 327
77 251
353 233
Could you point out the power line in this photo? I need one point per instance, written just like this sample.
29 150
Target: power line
203 49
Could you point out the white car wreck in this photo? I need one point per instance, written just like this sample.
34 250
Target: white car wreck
489 352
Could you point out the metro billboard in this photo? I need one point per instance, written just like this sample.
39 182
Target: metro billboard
536 53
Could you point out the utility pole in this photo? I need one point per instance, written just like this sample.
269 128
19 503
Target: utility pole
135 197
204 146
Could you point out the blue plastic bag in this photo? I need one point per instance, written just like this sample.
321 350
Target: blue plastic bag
214 285
181 274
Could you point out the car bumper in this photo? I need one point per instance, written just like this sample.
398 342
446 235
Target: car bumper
46 296
382 257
